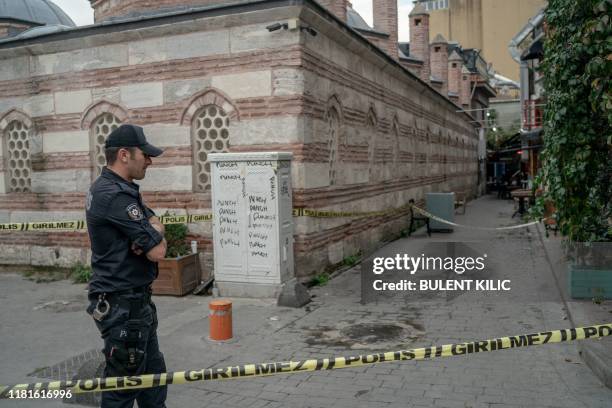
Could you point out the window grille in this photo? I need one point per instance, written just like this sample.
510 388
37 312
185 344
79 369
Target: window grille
18 154
100 130
210 134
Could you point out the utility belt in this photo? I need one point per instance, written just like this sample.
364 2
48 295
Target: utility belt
125 345
132 299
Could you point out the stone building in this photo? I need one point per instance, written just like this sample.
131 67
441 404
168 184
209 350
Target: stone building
368 129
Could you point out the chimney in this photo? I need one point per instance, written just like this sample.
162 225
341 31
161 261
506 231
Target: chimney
337 7
465 94
385 21
419 38
455 64
438 54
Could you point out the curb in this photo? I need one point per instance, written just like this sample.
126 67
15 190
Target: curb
594 354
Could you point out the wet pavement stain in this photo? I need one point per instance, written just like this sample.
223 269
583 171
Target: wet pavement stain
367 335
372 332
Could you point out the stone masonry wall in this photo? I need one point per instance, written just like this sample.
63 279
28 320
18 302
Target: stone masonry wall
392 141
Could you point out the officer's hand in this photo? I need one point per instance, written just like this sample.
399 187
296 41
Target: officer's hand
136 249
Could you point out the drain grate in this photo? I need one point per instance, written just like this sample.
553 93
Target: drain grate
86 365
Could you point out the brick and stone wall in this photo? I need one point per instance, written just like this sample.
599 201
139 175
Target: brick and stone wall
393 139
362 139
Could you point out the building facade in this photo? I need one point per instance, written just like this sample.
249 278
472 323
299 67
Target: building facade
527 48
366 133
486 25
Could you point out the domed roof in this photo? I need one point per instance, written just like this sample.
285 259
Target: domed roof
37 11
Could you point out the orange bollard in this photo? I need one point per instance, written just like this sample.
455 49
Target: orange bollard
220 317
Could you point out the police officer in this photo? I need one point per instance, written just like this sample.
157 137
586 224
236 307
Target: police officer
127 241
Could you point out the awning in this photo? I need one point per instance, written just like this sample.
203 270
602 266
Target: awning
531 135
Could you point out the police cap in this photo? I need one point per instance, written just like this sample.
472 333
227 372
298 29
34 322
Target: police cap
131 136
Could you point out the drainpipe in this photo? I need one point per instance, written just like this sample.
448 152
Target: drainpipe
517 39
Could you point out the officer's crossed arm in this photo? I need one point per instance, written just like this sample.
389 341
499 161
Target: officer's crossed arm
126 214
155 222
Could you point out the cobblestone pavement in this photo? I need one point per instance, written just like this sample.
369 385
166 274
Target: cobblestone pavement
337 323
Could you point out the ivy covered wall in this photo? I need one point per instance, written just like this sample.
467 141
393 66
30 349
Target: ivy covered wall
577 158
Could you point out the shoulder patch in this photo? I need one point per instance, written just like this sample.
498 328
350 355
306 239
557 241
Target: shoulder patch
134 212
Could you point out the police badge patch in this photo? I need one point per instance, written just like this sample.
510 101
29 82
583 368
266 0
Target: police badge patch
134 212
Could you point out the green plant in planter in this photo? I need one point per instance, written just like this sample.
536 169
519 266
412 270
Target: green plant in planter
176 235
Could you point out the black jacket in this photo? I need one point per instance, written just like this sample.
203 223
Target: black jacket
117 219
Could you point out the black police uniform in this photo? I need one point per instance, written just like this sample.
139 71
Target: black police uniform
119 291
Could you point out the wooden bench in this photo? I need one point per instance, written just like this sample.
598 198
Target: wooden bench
419 217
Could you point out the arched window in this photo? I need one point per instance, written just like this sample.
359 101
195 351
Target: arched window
420 137
209 134
17 148
333 131
397 153
372 129
99 130
413 147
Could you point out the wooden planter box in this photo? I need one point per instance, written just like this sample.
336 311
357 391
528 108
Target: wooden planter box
177 276
587 282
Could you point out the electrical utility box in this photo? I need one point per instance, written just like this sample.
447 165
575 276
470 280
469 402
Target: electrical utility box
252 222
441 205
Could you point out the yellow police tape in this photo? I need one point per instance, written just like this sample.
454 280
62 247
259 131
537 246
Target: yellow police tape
82 225
187 219
454 224
193 218
266 369
307 212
